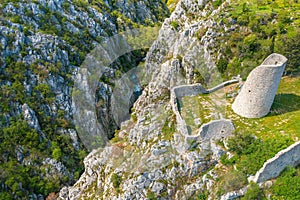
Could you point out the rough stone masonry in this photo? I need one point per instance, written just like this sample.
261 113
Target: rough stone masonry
258 93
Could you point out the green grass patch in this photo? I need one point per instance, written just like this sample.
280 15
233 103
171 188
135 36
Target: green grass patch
169 127
200 109
116 180
287 184
279 129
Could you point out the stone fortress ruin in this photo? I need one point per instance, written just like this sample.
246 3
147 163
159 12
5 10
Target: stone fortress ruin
215 129
254 101
258 92
274 166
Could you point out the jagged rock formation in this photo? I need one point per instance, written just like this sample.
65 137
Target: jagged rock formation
234 194
42 45
216 130
258 93
148 155
274 166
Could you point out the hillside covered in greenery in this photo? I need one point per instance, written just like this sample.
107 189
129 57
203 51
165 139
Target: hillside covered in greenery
43 43
257 29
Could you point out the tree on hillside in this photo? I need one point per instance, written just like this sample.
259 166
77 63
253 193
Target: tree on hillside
291 49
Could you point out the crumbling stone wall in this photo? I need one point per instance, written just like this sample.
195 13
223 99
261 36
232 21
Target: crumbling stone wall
189 90
214 130
179 92
192 90
274 166
257 94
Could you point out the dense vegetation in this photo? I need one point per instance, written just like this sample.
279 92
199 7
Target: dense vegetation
21 180
287 184
257 29
18 138
23 149
251 153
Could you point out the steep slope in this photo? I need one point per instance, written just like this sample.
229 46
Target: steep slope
43 43
149 158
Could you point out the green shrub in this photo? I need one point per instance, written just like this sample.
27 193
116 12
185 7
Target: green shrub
291 49
174 24
134 117
66 5
202 195
222 65
287 184
17 19
116 180
232 181
216 3
151 196
253 192
241 142
56 154
169 127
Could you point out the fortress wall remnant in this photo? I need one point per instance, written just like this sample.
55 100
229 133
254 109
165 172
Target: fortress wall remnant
274 166
235 80
178 92
257 94
189 90
206 130
214 130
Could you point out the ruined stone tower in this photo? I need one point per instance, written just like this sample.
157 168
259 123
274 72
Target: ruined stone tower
258 92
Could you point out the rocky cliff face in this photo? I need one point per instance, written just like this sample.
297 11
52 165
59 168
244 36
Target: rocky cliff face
149 157
43 43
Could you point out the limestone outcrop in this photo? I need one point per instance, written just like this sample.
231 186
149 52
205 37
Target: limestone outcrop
42 45
155 162
258 93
